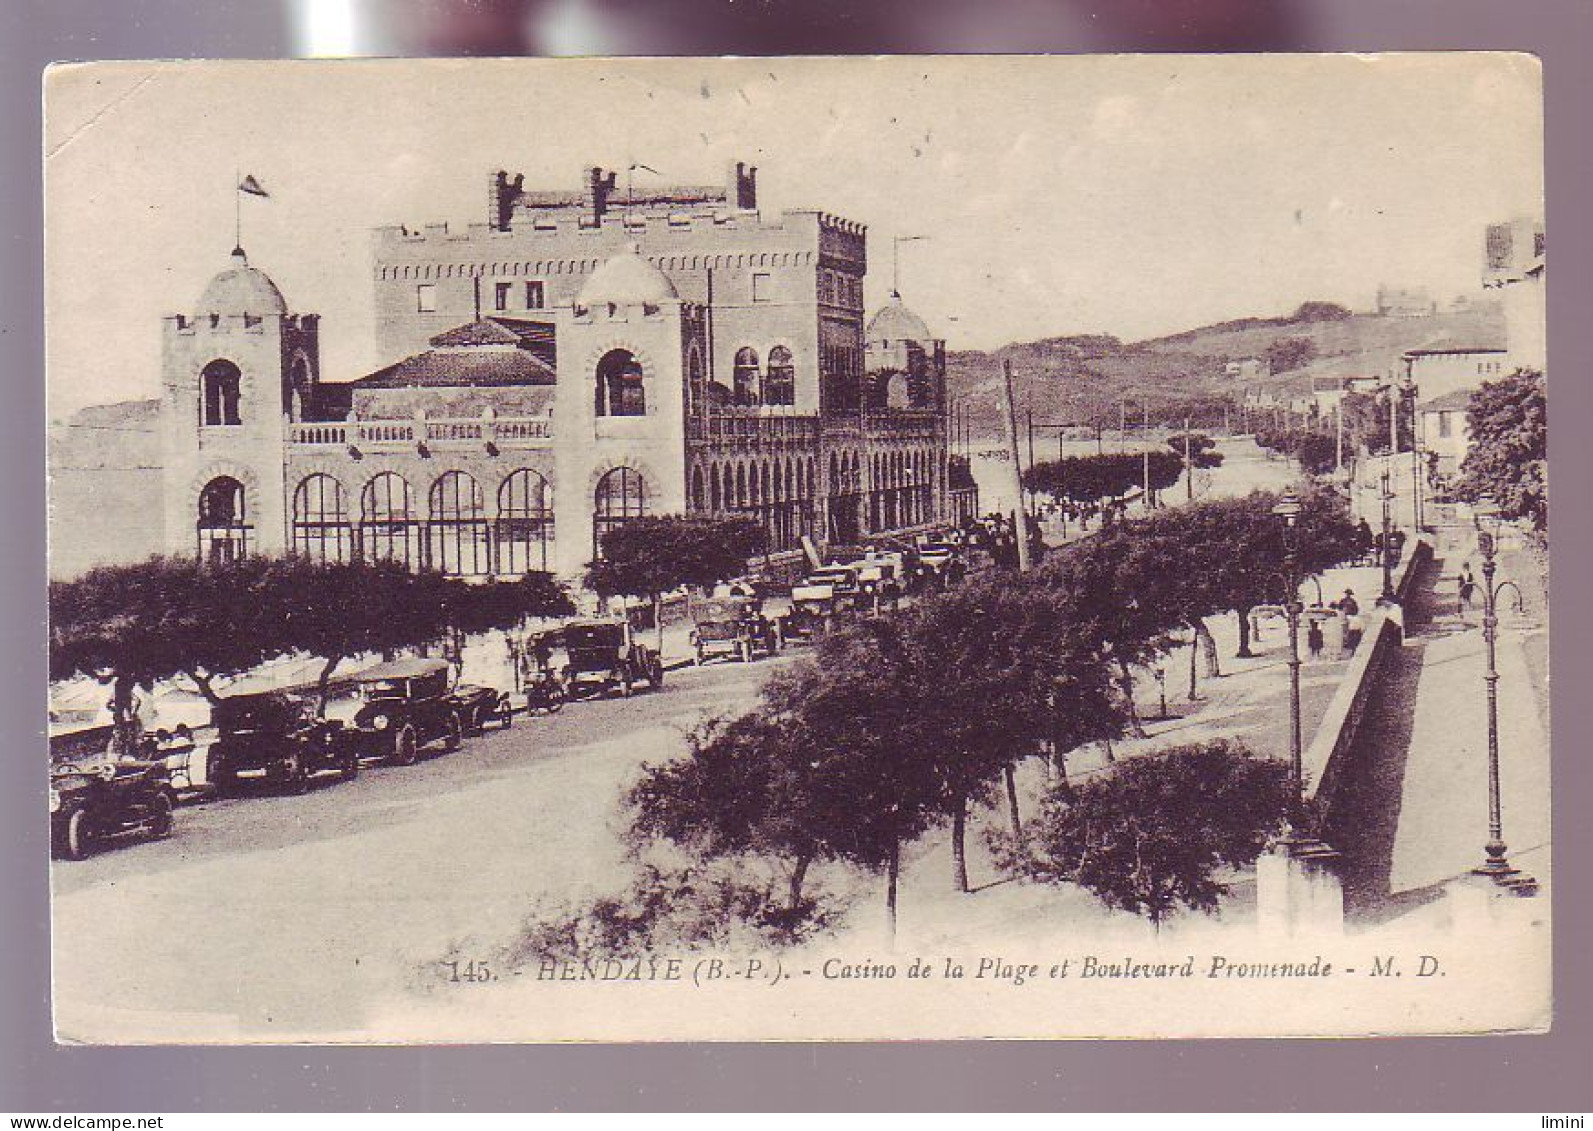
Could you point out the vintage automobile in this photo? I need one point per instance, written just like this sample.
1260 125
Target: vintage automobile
91 805
541 676
732 628
406 706
276 736
480 706
816 603
604 653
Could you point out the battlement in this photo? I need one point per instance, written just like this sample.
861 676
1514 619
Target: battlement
239 323
509 202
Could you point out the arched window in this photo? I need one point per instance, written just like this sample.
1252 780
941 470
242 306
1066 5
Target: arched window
223 523
620 387
388 530
699 500
780 388
741 485
221 381
457 530
714 496
298 388
525 522
621 496
321 530
745 377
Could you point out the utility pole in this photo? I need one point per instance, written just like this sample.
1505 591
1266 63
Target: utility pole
1020 518
1338 423
1122 424
1189 466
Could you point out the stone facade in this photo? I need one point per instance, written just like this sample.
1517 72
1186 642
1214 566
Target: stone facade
569 365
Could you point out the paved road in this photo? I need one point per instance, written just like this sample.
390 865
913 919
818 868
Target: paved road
269 915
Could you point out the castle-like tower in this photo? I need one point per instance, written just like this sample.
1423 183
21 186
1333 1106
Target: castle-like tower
234 374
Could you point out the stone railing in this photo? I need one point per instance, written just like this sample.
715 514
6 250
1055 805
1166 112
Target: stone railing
474 431
751 429
1326 759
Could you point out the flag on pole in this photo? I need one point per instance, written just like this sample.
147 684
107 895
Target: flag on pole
252 186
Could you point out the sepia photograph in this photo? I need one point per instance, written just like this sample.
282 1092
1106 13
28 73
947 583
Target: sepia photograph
804 548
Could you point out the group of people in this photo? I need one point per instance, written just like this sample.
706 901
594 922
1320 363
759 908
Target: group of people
1370 546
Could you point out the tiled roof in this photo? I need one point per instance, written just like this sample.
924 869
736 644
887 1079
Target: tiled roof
1449 402
456 368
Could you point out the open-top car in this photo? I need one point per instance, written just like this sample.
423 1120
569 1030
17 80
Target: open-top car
91 805
276 736
732 628
406 706
818 600
604 654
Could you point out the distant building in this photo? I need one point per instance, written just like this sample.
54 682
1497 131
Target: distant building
1404 302
1437 372
1247 370
1514 267
1443 433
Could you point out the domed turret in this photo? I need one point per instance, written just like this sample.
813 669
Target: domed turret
893 322
241 289
627 280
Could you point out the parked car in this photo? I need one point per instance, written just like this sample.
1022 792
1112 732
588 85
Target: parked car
816 603
407 705
92 805
604 653
480 706
276 736
733 628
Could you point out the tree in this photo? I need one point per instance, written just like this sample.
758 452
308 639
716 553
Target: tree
1150 835
1507 460
131 625
1202 449
1090 479
1317 311
1285 354
649 556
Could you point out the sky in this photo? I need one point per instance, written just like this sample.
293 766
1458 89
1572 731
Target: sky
1127 195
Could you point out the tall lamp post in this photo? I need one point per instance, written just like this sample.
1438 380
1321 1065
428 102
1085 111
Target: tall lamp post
1288 511
1497 867
1388 535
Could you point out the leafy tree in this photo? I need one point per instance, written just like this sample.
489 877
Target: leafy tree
1285 354
1366 422
651 555
1202 449
1150 835
131 625
1508 457
1318 311
1092 478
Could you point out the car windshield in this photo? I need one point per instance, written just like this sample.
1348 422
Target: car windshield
384 689
830 577
594 636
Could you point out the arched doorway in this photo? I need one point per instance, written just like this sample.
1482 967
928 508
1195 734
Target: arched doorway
321 530
223 525
388 530
525 522
457 527
621 389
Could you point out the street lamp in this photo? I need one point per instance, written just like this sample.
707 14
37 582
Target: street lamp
1497 867
1388 536
1288 511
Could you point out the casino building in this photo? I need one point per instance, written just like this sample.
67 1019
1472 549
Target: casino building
580 359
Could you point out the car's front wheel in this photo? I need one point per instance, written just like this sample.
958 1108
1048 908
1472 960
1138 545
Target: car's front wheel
349 764
80 838
454 734
405 747
160 816
295 777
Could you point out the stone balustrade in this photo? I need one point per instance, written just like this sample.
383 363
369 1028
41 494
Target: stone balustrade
474 431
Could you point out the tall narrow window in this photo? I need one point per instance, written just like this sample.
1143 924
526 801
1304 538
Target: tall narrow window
426 298
781 385
535 295
621 496
221 381
621 390
762 287
321 530
388 529
223 523
500 295
457 527
525 522
746 377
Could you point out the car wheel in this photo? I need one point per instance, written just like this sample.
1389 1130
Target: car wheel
221 779
743 651
350 765
454 735
295 777
625 686
80 839
161 820
405 747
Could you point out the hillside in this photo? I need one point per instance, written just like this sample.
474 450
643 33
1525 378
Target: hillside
1084 378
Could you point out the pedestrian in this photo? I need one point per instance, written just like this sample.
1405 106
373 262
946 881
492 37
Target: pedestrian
1351 608
1313 639
1397 546
1468 590
1377 548
1363 540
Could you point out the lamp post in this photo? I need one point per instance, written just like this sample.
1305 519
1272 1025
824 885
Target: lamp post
1388 549
1497 867
1288 512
